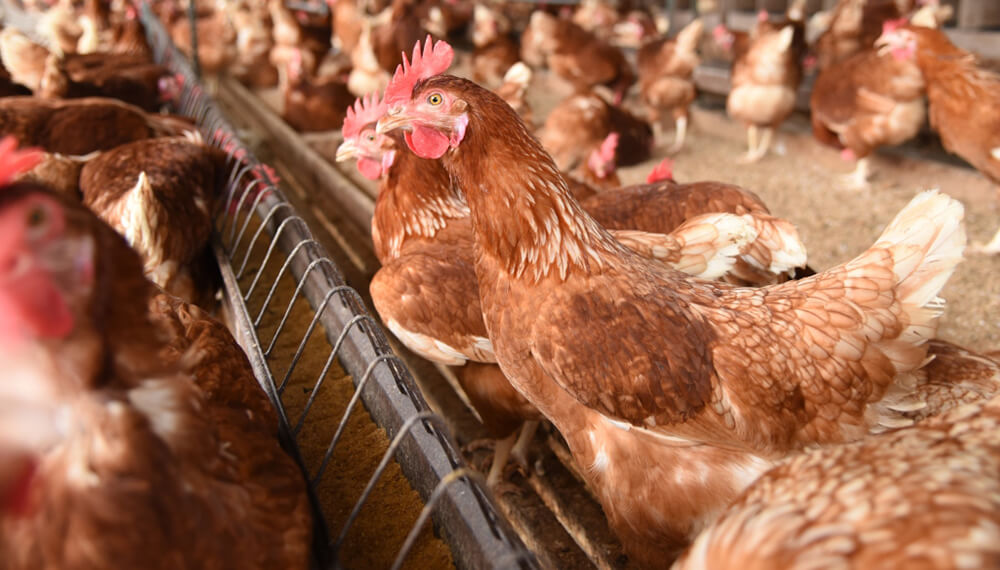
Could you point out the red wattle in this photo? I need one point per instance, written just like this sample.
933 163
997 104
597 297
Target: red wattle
426 142
369 168
32 305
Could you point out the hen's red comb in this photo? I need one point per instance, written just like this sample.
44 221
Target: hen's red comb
762 16
14 162
662 171
893 25
366 110
609 146
433 60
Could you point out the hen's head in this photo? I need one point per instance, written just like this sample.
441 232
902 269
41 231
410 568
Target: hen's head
723 37
374 152
602 160
902 41
434 118
661 172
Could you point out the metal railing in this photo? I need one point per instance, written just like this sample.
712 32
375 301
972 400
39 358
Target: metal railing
258 229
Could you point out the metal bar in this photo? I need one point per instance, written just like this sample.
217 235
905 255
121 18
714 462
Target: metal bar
462 510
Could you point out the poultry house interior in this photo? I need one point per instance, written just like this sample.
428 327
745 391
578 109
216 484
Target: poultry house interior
442 284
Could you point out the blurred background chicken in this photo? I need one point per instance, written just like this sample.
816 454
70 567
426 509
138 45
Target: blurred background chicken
665 70
163 436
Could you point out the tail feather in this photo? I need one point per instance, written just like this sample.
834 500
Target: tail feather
138 224
926 240
917 252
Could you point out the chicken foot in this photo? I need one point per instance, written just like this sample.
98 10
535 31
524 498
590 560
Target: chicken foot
680 132
758 142
991 248
513 447
858 178
501 454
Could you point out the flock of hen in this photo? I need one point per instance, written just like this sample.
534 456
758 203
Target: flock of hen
726 404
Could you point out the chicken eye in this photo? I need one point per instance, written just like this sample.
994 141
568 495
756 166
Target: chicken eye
38 217
370 137
435 99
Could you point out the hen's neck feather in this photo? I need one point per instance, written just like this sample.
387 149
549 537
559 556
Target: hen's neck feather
522 211
417 199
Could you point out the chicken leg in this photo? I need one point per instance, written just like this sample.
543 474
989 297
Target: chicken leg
680 132
751 145
858 178
501 454
991 248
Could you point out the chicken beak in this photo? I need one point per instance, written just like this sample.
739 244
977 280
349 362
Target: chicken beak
395 120
347 150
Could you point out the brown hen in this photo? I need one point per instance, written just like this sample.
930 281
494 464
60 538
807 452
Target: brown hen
920 497
665 78
962 98
156 461
673 394
160 195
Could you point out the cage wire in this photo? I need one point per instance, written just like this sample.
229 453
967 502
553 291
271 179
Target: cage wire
257 223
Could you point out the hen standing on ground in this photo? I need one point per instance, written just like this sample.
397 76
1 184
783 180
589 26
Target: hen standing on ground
706 385
864 101
764 83
963 98
665 84
423 238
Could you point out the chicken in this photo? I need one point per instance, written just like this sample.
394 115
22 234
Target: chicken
496 51
58 172
597 17
81 126
854 26
160 195
928 493
23 58
422 236
673 394
252 65
288 43
397 35
152 459
137 85
578 56
216 40
129 37
962 98
598 171
776 254
764 82
444 18
665 78
314 104
865 101
514 88
366 75
346 29
60 25
733 43
580 123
